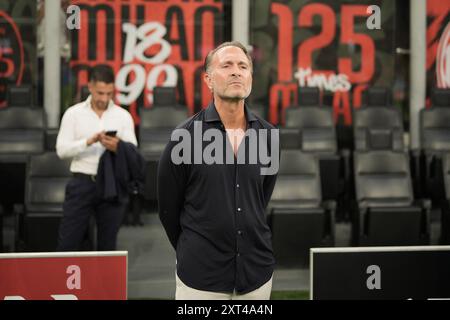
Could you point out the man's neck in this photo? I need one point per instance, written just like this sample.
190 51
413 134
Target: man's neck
231 113
98 111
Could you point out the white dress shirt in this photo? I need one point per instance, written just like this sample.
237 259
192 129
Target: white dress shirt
80 123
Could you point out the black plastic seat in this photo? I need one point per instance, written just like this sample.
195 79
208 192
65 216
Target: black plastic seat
316 131
22 133
310 127
165 97
46 181
445 203
156 126
434 143
19 96
378 128
377 97
440 97
386 212
155 129
298 217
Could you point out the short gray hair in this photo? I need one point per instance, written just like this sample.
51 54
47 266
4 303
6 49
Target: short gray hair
237 44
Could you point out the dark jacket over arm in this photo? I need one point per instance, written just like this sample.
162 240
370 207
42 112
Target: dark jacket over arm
122 173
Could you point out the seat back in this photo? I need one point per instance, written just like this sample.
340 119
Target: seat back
378 128
19 96
159 118
22 130
440 97
309 96
46 180
156 127
377 97
317 132
435 129
47 177
446 174
298 179
164 97
298 220
382 178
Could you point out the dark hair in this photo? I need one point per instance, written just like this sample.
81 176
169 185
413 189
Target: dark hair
101 72
237 44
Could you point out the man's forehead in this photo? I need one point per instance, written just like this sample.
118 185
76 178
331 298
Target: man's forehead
230 53
102 84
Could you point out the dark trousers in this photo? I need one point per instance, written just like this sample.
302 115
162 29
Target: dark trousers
82 202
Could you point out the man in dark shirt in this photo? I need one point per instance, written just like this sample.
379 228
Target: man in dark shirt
215 179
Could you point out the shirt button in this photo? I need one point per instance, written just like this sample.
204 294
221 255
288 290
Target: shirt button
238 254
237 185
239 232
239 209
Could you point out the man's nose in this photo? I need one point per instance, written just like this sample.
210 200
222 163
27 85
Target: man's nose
236 71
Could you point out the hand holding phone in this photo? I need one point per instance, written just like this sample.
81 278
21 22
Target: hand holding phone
110 141
111 133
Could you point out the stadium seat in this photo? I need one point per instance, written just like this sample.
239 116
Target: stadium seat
310 128
445 204
316 131
309 97
377 97
440 97
434 142
155 128
164 97
38 222
298 217
50 139
386 212
378 128
19 96
22 133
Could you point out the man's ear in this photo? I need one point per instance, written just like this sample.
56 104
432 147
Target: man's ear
208 80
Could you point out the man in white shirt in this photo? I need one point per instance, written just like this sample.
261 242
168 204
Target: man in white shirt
87 130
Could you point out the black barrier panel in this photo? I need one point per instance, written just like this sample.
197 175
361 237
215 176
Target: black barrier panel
381 273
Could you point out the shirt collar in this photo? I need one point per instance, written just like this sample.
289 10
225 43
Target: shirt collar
211 114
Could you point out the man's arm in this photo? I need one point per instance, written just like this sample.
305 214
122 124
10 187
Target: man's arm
268 186
66 144
171 188
129 134
270 180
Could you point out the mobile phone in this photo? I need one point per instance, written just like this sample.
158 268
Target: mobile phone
111 133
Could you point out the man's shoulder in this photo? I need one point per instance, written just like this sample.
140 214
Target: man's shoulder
120 110
75 108
188 123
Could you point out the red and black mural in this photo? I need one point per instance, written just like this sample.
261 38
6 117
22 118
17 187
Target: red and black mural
324 44
438 44
17 45
148 43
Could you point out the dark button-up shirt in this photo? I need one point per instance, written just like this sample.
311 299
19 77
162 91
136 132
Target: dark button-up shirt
214 214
